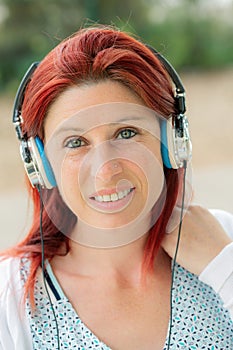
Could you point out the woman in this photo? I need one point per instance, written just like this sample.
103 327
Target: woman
96 103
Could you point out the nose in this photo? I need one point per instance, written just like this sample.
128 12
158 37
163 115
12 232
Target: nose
105 162
108 170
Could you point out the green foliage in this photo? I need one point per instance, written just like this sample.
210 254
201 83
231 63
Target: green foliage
181 32
193 39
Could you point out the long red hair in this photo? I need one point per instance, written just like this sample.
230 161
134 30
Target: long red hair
91 54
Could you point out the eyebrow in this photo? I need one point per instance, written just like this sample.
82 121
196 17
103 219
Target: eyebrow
126 119
82 131
67 128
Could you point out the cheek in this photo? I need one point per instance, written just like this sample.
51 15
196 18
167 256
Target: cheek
67 174
154 145
151 164
153 172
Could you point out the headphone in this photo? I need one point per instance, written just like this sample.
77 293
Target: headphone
176 146
32 152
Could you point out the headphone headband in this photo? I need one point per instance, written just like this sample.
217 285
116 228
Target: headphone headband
176 145
17 109
180 90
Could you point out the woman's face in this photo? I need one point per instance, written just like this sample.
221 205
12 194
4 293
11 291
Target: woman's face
104 147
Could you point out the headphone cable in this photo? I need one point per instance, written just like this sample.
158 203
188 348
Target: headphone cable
173 263
43 265
175 257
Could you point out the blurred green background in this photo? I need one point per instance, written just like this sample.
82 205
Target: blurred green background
195 35
192 34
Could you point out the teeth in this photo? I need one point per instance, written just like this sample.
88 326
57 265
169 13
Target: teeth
121 194
106 198
113 197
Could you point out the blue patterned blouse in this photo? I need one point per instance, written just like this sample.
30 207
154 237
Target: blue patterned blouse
199 319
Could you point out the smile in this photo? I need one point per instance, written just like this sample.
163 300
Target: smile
113 197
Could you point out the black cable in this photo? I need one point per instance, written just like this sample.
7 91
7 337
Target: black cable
43 265
175 257
173 263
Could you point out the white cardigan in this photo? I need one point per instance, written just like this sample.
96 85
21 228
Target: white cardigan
219 272
14 326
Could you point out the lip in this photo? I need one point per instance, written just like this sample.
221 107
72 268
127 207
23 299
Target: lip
109 191
111 206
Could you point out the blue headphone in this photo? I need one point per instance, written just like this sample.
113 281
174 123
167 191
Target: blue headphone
176 147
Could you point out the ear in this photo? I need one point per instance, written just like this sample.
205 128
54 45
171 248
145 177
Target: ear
167 144
39 169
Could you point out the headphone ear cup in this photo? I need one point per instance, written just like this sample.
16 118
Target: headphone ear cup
167 144
44 171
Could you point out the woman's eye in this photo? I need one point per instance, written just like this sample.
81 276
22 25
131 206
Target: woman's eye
126 134
74 143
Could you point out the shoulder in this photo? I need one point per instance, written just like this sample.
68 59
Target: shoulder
9 271
225 219
8 264
14 327
12 275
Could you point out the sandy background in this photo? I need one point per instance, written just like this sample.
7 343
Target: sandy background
210 113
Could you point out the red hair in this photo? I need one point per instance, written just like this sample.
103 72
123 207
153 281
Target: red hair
91 54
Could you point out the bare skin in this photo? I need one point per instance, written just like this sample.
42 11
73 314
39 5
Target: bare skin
110 298
202 239
105 285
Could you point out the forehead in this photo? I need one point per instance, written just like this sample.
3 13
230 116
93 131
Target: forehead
77 98
90 106
113 113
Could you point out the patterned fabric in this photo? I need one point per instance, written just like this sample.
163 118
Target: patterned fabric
199 320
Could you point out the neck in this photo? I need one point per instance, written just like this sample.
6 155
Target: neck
122 264
107 260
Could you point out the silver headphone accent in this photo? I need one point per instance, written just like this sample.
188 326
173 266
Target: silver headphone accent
32 152
176 146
